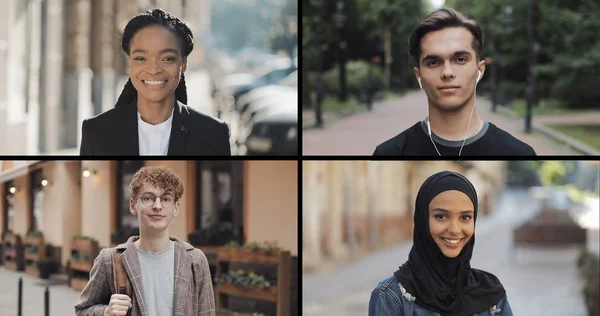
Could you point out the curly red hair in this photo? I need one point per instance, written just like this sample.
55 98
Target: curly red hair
159 177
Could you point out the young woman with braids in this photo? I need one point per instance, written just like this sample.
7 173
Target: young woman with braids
151 116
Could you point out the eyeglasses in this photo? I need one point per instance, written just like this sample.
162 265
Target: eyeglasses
149 199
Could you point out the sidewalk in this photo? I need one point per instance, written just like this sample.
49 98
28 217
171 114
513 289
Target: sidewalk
361 133
62 297
537 281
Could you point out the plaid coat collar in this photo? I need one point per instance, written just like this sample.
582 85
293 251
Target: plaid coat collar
183 275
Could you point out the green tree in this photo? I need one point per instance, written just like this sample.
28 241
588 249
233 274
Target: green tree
568 60
552 173
365 28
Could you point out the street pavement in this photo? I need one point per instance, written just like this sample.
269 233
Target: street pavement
361 133
537 281
62 297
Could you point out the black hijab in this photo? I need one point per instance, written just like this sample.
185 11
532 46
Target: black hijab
445 285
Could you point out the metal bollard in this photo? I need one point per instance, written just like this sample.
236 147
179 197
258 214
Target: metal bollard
47 302
20 296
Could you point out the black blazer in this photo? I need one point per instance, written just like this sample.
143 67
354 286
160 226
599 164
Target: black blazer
115 132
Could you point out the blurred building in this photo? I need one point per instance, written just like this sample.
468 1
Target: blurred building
61 199
352 207
61 62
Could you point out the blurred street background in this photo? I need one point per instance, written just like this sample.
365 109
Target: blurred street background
542 65
61 62
537 231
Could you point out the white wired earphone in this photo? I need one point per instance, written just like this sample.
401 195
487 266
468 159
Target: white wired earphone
470 116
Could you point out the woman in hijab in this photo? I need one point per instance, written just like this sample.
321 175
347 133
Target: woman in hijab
438 279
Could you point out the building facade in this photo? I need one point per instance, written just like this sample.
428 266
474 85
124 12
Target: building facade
352 207
61 62
258 200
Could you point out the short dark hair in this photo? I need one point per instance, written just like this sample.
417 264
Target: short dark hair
441 19
171 23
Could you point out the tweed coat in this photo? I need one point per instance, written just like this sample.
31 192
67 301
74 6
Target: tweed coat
192 291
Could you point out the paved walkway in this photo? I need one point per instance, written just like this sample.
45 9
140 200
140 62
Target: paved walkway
62 297
361 133
591 118
537 281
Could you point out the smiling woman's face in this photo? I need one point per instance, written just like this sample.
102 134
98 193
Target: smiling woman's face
451 221
155 63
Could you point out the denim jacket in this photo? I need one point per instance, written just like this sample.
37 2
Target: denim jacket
390 298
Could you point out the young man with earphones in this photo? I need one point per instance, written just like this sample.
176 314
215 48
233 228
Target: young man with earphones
448 49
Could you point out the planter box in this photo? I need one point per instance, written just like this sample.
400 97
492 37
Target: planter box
248 256
269 294
550 227
84 248
33 271
231 313
85 245
78 284
81 266
14 253
11 265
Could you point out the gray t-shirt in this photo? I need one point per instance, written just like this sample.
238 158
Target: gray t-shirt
158 270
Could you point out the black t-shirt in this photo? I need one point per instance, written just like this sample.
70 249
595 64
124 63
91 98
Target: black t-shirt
489 141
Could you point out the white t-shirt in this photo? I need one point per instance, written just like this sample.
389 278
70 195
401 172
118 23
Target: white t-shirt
154 139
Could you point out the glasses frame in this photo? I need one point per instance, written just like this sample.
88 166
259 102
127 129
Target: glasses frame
159 197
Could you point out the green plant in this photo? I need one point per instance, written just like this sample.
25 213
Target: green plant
82 237
589 270
232 244
271 246
240 277
267 246
34 233
252 246
582 258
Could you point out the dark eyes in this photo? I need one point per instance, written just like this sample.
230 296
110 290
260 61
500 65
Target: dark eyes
461 60
142 58
442 216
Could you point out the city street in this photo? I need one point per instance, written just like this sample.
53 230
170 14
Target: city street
361 133
537 281
62 297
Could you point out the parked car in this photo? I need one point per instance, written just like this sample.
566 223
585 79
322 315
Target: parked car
280 98
238 84
274 131
289 83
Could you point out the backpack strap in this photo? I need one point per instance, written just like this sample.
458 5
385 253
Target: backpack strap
120 279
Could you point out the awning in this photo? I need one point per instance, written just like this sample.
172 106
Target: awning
16 172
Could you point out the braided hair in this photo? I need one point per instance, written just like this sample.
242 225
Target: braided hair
168 21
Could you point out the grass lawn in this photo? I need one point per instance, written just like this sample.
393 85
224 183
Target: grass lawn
545 107
331 104
587 134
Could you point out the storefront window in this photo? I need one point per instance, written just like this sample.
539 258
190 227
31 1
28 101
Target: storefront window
37 199
8 210
219 215
127 224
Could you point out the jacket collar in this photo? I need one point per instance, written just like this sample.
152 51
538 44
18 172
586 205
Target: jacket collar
183 272
179 130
